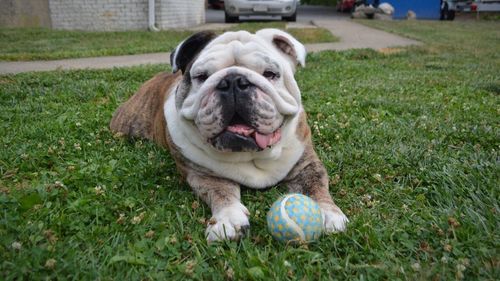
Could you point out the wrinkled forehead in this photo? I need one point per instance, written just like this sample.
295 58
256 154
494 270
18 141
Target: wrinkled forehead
238 48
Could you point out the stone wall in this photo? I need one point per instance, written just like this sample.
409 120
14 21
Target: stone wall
24 13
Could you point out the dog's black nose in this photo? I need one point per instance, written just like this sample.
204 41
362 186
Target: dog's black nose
223 85
235 92
234 82
242 83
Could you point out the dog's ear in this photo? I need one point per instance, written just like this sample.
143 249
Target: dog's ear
286 44
187 50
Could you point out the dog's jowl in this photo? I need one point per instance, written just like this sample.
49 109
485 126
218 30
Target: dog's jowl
231 115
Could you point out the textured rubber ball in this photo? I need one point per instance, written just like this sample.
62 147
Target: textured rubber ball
295 217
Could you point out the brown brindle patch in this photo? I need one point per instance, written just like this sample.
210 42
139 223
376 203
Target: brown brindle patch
303 132
180 161
216 192
142 115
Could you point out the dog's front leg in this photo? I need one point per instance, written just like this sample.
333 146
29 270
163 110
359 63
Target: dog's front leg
229 217
310 178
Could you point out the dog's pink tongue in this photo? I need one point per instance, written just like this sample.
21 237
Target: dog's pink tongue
264 141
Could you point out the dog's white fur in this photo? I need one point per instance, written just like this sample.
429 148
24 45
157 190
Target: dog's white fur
269 33
229 223
334 222
254 169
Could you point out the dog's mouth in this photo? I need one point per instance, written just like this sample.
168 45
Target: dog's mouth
262 140
239 136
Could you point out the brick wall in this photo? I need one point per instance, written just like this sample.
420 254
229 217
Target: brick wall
124 14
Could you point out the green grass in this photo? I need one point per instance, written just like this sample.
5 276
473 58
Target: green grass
46 44
410 141
480 39
304 35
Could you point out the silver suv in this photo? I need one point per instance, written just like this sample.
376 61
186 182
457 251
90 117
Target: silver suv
287 9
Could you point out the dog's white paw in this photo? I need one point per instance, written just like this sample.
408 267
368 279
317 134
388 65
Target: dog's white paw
335 221
230 222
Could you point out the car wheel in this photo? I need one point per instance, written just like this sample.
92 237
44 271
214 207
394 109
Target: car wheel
291 18
230 19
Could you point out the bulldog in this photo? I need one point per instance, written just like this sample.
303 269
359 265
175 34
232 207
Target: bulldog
231 115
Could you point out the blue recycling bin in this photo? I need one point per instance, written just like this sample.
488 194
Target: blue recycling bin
425 9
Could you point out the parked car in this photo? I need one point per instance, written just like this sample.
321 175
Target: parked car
346 5
287 9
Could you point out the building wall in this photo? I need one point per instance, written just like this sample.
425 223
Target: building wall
103 15
24 13
179 13
124 14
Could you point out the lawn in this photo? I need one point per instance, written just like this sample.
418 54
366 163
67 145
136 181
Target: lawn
409 138
46 44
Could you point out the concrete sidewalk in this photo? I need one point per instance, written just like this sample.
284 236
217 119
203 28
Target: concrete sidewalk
352 36
357 36
83 63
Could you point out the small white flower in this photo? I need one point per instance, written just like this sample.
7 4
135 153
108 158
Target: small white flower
138 219
16 245
461 267
50 263
99 190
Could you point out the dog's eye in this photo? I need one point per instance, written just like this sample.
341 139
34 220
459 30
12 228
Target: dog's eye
201 77
270 74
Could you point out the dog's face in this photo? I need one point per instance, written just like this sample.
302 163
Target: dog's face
238 90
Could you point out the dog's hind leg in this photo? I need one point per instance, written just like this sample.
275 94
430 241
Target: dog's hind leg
142 115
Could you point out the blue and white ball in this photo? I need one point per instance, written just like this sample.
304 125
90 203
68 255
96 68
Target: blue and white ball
295 217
